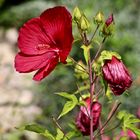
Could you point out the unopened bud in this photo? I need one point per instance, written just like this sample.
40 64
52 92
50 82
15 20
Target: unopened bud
110 20
76 14
99 18
84 24
108 27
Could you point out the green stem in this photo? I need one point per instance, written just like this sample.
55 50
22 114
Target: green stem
99 50
85 70
91 98
110 130
83 100
59 127
94 34
111 114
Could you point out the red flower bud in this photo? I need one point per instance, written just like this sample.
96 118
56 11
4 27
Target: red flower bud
116 75
109 20
83 119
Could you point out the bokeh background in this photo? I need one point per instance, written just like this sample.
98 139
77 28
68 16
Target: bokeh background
24 101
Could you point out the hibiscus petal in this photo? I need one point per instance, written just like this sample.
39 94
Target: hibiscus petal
57 23
25 63
32 38
43 72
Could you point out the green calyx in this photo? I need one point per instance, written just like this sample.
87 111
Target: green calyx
108 30
105 55
99 18
76 14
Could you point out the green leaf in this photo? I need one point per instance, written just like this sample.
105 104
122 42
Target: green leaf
35 128
109 94
69 61
105 55
80 72
69 105
129 122
134 129
123 138
59 135
86 52
40 130
48 135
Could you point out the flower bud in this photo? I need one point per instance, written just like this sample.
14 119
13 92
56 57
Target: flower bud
116 75
83 117
108 27
99 18
110 20
84 24
76 14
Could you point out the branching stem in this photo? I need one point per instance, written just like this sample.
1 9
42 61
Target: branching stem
99 50
59 127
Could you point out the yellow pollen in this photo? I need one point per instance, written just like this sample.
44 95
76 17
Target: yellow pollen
42 46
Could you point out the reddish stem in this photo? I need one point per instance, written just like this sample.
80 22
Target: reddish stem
91 97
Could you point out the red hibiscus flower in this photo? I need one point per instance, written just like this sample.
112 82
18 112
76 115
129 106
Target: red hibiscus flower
44 41
83 119
116 75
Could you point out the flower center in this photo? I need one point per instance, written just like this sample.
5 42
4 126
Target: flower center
41 47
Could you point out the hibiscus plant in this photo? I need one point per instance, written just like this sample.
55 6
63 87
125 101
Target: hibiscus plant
46 40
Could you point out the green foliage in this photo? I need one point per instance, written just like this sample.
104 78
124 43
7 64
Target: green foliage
126 42
80 72
129 122
60 134
105 55
86 52
40 130
123 138
1 2
16 16
69 105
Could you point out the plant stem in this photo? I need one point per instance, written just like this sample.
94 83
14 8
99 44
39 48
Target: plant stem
91 97
94 34
83 100
99 50
78 64
59 127
111 114
102 131
110 129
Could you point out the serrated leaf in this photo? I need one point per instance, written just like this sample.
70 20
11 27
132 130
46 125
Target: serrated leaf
40 130
59 135
69 105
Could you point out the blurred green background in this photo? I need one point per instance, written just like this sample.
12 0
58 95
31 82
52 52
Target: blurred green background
14 13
